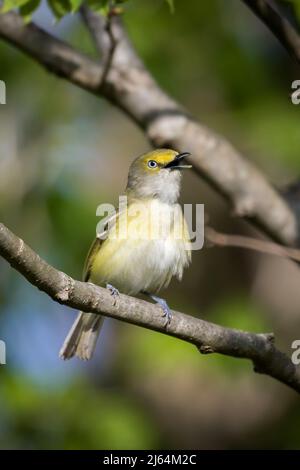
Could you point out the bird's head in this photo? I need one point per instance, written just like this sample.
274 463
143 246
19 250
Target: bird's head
157 174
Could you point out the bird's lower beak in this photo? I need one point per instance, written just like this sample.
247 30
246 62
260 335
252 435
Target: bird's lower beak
177 164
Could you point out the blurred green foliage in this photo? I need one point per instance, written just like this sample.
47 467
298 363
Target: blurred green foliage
76 417
61 8
62 152
296 6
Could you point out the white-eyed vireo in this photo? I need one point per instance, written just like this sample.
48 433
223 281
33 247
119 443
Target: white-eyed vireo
146 244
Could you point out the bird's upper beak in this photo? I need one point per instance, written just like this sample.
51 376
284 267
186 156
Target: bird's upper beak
176 163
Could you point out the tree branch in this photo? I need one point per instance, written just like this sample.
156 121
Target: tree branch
278 23
131 87
208 337
55 55
240 241
106 43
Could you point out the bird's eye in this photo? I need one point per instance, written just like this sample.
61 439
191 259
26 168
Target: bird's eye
152 164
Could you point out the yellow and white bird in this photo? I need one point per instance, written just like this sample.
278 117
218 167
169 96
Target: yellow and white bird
146 244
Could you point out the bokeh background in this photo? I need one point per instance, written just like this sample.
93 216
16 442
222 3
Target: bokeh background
63 152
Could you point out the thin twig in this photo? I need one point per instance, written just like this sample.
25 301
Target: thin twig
106 43
112 48
240 241
278 23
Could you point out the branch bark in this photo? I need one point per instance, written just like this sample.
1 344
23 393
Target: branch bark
240 241
278 23
208 337
130 86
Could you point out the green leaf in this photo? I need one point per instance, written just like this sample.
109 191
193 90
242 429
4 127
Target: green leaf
103 6
171 5
75 5
28 9
99 6
9 5
60 8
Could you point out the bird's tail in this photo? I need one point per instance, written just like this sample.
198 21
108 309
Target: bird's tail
82 337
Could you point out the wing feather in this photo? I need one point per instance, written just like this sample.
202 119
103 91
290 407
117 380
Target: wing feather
94 249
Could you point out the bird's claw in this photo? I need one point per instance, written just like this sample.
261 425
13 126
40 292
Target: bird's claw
167 313
163 304
165 308
113 290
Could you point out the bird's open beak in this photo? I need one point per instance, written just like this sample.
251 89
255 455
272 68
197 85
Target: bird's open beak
176 163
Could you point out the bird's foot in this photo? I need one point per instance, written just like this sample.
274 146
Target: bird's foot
114 291
166 309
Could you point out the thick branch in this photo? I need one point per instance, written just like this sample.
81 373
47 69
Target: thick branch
57 56
208 337
130 86
279 24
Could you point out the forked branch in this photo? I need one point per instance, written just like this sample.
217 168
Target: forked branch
130 86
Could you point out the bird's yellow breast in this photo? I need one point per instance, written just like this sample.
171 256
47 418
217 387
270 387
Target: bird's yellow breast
147 244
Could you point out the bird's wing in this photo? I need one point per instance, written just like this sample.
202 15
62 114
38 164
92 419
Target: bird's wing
96 246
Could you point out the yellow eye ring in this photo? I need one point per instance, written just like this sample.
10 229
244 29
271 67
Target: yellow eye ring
152 164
